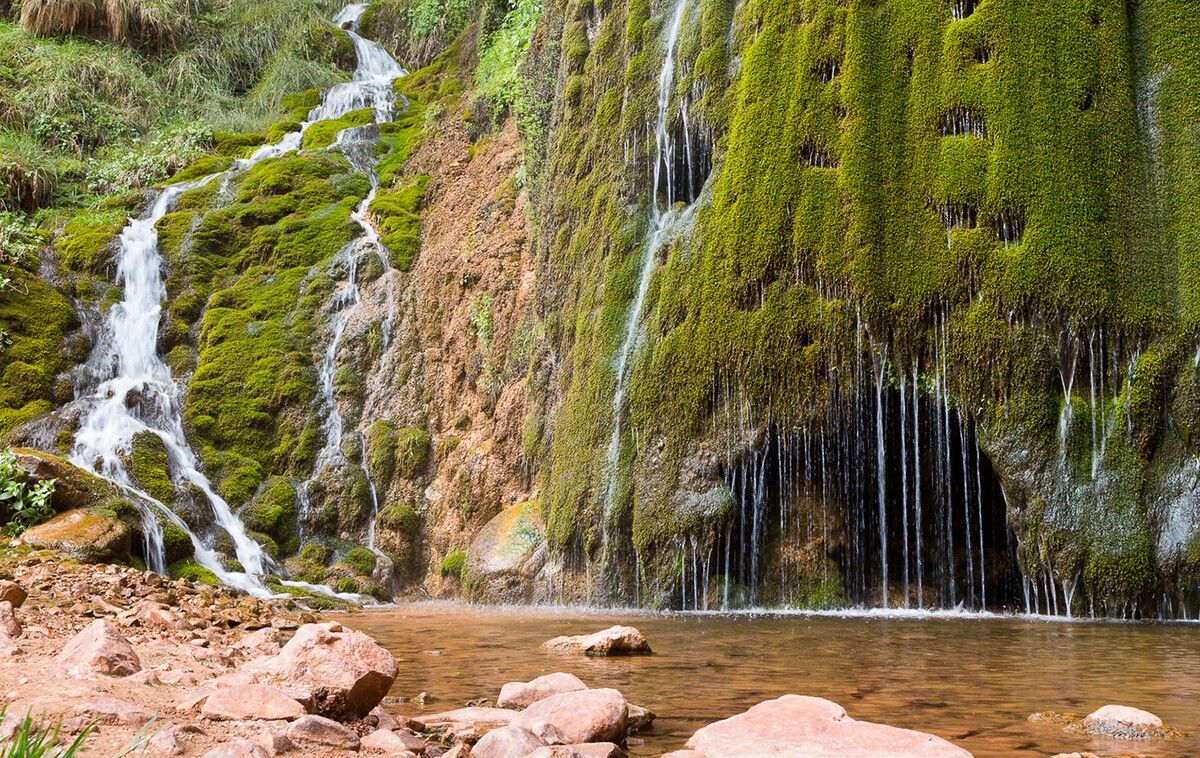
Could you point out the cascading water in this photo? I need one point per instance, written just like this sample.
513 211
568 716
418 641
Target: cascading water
131 390
665 219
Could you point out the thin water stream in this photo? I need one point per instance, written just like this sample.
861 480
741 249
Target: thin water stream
971 679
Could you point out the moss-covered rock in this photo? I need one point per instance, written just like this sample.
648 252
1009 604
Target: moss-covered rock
149 466
88 536
506 556
273 512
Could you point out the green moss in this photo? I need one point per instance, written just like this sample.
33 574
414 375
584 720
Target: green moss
273 513
35 322
87 244
237 145
149 465
412 452
361 560
324 133
399 222
317 552
400 518
453 564
381 452
202 168
192 571
281 129
299 104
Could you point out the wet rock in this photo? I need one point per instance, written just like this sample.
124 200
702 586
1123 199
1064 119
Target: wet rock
588 750
237 749
525 694
318 730
346 671
11 592
87 537
10 625
456 720
1124 723
640 718
100 648
386 741
506 741
251 702
586 716
506 556
110 710
813 727
617 640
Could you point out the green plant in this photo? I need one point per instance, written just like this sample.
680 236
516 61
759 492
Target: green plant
454 563
497 76
32 740
479 310
23 505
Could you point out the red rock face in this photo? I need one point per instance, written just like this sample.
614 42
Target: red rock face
810 726
101 648
346 671
587 716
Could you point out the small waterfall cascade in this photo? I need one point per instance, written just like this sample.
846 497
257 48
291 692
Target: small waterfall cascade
371 87
129 389
665 220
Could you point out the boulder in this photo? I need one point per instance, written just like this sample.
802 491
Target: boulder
347 673
101 649
110 710
640 718
506 742
274 742
383 719
318 730
1124 723
586 716
616 640
525 694
506 555
11 592
237 749
251 702
73 487
85 536
10 625
264 641
812 727
386 741
465 717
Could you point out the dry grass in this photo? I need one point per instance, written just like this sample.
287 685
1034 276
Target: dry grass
48 18
156 21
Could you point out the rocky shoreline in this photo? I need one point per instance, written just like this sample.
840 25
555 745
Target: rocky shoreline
195 669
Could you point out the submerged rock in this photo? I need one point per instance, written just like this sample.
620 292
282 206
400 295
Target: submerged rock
346 671
1124 723
101 649
616 640
586 716
85 536
813 727
525 694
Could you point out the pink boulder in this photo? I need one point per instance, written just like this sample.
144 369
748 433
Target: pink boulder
12 592
585 716
237 749
386 741
100 648
525 694
10 625
587 750
812 727
616 640
318 730
251 702
346 671
505 742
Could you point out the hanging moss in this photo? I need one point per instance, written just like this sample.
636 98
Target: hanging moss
399 222
35 322
324 133
149 465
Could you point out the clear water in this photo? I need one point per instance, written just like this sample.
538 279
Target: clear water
971 679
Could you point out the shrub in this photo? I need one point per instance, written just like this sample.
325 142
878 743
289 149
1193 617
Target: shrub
22 505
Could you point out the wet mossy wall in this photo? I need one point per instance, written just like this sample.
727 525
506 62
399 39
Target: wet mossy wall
890 179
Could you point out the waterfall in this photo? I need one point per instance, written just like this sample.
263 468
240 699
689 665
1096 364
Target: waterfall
130 389
663 222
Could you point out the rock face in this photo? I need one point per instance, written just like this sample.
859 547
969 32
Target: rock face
346 671
505 742
586 716
812 727
525 694
101 649
506 556
616 640
86 537
1125 723
254 701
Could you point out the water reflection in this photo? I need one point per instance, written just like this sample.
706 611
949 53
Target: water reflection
973 680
